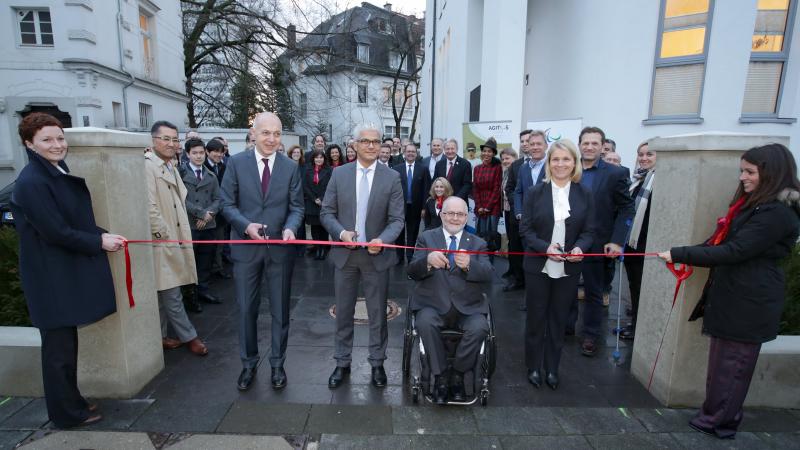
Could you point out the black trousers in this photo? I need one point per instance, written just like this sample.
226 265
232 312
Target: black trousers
548 307
429 324
409 234
66 407
634 266
204 257
514 245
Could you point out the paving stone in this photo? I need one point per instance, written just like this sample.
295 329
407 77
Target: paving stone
664 420
511 421
597 420
119 414
744 441
8 439
433 420
785 441
10 405
544 443
629 395
633 441
30 417
263 418
91 440
215 441
774 420
409 442
309 394
185 415
360 394
368 419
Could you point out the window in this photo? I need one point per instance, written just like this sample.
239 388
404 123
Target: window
680 63
395 60
145 115
303 105
303 141
116 108
363 53
362 92
146 31
330 89
389 131
769 52
35 27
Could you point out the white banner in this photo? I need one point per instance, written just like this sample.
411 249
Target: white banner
558 129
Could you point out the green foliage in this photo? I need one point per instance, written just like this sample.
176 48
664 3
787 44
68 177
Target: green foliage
790 321
280 98
13 309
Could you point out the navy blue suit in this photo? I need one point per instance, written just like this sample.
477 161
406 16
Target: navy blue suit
414 203
524 182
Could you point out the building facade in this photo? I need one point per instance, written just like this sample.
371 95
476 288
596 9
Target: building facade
637 69
348 69
113 64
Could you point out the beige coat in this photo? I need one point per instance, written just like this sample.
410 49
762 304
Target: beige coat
174 263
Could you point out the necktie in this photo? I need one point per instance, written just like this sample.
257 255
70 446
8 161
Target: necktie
449 169
451 257
361 206
265 177
409 178
199 175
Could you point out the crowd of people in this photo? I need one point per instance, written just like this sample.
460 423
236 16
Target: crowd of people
557 204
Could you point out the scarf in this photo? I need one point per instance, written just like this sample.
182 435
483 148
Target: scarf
439 203
724 223
643 178
316 174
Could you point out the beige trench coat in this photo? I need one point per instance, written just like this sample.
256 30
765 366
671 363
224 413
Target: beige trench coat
174 263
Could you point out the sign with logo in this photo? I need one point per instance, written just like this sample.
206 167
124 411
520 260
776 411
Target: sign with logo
558 129
476 133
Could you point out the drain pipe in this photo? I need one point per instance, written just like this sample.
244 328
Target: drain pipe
433 69
122 65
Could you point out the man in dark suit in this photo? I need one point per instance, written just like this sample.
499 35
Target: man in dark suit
449 293
215 162
262 197
363 205
456 169
515 274
429 162
413 178
613 209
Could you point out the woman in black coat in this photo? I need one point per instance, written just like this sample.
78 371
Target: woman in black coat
317 175
440 190
557 219
63 266
744 295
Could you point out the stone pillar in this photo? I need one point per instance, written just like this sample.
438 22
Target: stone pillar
697 176
121 353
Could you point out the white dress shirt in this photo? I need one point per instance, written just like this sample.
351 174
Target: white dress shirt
432 164
447 238
270 160
552 268
360 173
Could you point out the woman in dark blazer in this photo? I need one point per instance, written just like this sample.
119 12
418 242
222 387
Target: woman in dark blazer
63 266
295 153
440 190
557 219
744 296
317 175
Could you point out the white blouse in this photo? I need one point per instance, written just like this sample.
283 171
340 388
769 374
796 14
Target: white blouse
552 268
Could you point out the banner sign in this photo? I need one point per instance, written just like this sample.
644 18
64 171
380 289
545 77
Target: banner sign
558 129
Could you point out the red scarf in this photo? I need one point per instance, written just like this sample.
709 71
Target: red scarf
439 202
316 174
724 223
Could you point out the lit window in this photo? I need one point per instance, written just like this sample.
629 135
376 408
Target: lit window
35 27
769 52
146 32
681 59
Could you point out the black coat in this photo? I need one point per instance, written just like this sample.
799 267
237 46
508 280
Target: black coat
65 272
460 179
536 227
313 191
218 170
613 205
745 293
418 183
432 219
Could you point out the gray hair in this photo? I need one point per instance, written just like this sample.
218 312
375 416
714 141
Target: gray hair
437 139
509 151
453 141
365 127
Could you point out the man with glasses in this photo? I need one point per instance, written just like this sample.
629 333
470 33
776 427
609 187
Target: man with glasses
174 263
363 205
449 293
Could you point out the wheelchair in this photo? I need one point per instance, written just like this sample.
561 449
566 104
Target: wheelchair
422 380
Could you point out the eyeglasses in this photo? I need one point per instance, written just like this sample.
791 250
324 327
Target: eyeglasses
452 214
168 139
369 141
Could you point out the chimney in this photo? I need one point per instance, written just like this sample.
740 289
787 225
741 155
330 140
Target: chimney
291 36
387 6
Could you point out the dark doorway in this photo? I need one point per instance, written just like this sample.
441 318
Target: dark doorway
53 110
475 104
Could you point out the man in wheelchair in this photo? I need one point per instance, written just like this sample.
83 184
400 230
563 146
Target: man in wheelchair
449 294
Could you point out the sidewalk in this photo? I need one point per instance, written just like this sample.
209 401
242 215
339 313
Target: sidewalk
194 403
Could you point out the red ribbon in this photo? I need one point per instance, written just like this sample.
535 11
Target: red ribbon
681 275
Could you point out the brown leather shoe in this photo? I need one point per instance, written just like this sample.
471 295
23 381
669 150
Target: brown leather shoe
169 343
588 347
197 347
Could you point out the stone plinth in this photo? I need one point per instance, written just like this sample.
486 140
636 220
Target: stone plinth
20 362
696 178
121 353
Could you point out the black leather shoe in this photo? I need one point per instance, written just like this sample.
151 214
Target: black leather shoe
535 378
507 275
278 378
440 390
378 377
513 286
627 333
457 393
338 375
552 380
208 298
246 378
193 306
225 275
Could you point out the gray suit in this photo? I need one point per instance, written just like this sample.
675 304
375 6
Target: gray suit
385 220
451 299
281 208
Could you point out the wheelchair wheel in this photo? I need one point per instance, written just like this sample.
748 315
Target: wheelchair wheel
408 349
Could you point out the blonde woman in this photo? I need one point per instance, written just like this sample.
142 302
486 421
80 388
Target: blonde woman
440 190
